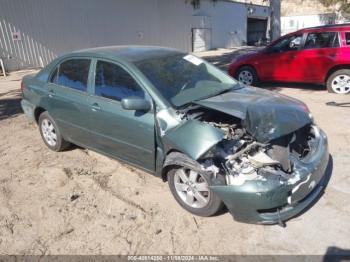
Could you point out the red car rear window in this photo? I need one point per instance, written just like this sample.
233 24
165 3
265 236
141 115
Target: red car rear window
347 38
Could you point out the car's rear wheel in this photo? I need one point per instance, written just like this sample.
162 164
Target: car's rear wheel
247 75
339 82
51 134
191 190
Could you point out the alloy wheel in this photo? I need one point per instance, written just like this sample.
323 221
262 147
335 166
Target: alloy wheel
192 188
49 132
341 84
246 77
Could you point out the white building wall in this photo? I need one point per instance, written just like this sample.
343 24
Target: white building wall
293 23
49 28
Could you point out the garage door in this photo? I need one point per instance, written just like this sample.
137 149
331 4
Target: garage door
256 30
201 38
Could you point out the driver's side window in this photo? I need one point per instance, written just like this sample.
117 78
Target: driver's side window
286 44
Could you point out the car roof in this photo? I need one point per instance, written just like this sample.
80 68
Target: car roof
130 53
323 28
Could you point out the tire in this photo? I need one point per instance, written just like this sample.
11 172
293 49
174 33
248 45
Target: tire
51 134
199 208
339 82
247 75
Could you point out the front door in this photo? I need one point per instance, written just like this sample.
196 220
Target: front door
124 134
277 63
67 95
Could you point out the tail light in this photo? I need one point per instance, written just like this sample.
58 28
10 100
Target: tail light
305 108
22 86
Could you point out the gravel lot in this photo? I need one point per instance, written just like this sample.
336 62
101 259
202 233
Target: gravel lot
79 202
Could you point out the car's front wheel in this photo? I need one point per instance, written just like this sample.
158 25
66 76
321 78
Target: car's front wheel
247 75
191 190
339 82
51 134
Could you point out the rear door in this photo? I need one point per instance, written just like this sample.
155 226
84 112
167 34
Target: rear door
319 54
67 92
124 134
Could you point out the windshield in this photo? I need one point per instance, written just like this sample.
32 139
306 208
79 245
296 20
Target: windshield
182 78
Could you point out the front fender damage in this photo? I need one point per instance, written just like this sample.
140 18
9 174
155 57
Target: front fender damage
174 132
263 178
271 195
202 138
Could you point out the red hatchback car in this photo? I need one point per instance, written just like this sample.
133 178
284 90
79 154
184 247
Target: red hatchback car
319 55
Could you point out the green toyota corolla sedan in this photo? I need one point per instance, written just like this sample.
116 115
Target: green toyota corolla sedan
215 141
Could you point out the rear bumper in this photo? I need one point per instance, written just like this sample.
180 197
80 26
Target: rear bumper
271 200
28 109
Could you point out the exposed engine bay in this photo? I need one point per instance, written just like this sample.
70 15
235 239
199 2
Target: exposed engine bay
240 157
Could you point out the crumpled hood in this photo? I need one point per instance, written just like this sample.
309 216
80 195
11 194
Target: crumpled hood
266 115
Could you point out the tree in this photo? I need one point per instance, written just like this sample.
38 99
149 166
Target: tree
340 7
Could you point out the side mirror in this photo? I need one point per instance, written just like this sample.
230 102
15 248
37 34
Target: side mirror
133 103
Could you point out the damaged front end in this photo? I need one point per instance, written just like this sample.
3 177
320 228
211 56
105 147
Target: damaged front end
269 179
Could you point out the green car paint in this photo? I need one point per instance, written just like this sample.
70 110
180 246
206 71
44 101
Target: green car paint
261 195
144 139
204 137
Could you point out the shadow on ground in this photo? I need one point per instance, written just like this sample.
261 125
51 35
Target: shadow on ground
347 104
11 105
336 254
223 60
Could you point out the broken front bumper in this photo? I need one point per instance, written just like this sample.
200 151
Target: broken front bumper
271 201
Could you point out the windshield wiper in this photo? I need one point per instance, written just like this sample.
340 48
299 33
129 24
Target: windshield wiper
220 92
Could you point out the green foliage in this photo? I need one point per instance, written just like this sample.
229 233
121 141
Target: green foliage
343 6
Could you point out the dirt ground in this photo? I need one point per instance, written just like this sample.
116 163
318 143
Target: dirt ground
79 202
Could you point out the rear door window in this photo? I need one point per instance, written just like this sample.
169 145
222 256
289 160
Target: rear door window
72 73
322 40
347 38
113 82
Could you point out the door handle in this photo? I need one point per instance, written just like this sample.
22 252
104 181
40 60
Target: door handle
51 93
333 55
95 107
